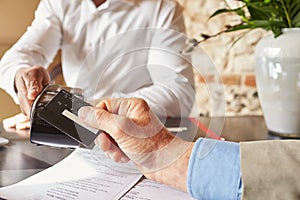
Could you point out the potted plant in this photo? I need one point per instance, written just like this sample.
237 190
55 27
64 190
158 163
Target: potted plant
277 58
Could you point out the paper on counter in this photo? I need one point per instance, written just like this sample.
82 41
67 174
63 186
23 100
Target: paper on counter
83 176
150 190
79 176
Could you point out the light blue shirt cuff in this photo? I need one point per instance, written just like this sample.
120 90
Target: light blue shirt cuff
214 170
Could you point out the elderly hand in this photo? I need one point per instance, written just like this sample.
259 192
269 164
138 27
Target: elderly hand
138 132
131 124
29 82
141 137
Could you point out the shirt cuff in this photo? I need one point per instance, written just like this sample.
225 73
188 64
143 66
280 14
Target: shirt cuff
214 170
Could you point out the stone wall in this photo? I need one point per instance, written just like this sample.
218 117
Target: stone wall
234 63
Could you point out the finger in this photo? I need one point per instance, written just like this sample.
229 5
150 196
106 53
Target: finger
23 125
104 104
34 87
22 95
111 150
25 104
124 159
118 155
29 83
35 79
12 121
113 105
104 142
25 133
101 119
20 85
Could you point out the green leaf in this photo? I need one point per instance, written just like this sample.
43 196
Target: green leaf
238 11
297 24
260 11
239 27
271 15
285 7
295 8
220 11
276 31
296 20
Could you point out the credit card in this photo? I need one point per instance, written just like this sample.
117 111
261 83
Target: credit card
62 113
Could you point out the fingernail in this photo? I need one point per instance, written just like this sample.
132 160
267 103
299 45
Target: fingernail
96 142
124 159
83 112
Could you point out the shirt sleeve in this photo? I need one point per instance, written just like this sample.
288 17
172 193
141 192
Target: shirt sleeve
214 170
171 92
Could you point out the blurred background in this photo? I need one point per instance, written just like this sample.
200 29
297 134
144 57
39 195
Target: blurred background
234 63
15 16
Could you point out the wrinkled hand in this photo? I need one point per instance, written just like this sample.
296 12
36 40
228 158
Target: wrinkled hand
142 138
137 131
29 82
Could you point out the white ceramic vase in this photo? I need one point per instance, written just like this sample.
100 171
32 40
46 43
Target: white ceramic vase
278 82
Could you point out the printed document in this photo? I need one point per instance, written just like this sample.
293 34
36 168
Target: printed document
150 190
79 176
89 174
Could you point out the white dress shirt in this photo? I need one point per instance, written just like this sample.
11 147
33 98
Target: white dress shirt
123 48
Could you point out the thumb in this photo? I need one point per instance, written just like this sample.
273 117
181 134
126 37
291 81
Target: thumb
101 119
34 88
37 79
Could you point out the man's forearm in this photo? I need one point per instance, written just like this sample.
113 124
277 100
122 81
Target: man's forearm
175 174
